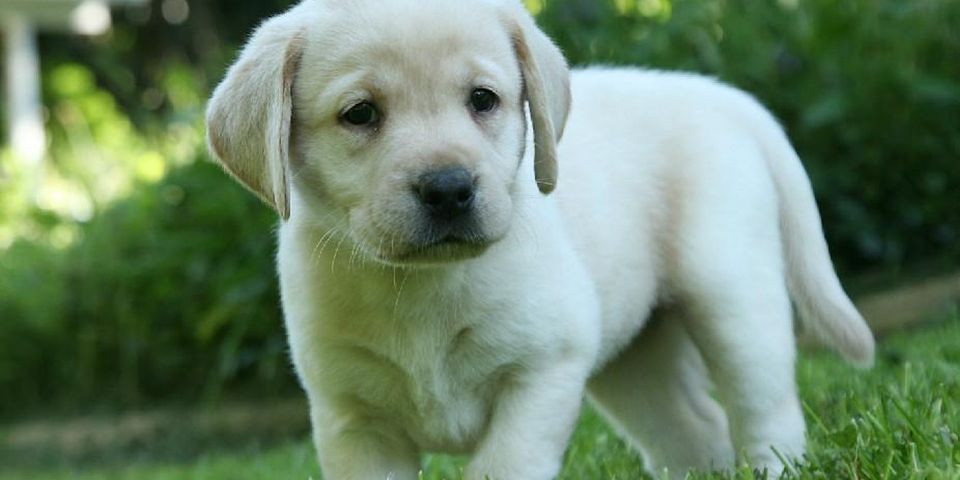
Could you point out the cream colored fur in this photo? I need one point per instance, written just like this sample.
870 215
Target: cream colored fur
660 272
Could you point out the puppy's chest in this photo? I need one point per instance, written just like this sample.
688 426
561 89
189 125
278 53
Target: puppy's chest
437 382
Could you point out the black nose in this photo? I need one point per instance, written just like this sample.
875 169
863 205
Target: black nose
447 193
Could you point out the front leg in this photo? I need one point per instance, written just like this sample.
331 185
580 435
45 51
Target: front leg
351 448
531 423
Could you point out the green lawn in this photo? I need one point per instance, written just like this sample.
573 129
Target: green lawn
897 421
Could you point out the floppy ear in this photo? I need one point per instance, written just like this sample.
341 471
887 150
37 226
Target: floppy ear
546 82
248 117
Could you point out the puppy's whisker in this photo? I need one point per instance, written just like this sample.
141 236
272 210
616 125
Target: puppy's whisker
325 240
326 234
336 253
357 258
396 306
318 248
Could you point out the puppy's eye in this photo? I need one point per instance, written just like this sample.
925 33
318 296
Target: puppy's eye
361 114
483 100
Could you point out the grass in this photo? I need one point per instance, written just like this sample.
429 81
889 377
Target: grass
897 421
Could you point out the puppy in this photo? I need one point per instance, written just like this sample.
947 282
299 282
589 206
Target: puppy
437 299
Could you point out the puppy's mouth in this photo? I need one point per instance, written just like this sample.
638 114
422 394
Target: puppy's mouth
449 248
436 251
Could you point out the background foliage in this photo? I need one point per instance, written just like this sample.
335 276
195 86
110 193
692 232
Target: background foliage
137 270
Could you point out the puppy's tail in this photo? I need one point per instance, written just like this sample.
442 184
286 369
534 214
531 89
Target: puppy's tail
824 308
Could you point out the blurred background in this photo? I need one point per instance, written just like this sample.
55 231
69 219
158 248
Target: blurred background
134 274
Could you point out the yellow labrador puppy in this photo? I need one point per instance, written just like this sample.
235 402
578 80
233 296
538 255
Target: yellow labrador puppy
437 299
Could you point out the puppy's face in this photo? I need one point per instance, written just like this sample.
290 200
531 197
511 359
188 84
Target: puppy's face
408 123
401 121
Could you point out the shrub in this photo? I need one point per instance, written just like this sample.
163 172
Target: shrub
868 90
170 292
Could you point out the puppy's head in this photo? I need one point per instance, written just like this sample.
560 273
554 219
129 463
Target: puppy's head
401 121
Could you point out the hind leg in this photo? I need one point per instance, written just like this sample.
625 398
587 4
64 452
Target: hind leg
657 394
737 310
745 334
727 271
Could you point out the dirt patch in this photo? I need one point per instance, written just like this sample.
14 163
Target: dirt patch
153 435
911 304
